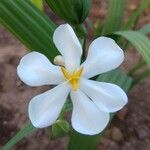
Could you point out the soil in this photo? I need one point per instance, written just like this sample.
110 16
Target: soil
130 128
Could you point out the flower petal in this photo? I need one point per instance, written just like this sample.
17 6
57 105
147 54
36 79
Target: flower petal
69 46
35 70
45 108
103 55
86 117
108 97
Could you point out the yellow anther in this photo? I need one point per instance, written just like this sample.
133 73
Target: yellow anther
72 78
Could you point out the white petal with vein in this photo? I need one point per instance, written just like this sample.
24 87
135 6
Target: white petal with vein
45 108
86 117
108 97
103 55
69 46
35 70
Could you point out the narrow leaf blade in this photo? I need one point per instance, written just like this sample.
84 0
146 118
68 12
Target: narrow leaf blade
29 25
136 14
114 17
145 30
27 129
139 41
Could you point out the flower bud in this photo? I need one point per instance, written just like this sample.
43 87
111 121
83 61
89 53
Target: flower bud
72 11
59 60
60 128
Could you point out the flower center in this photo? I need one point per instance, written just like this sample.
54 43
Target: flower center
73 78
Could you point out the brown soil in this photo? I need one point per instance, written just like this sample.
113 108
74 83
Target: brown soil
129 130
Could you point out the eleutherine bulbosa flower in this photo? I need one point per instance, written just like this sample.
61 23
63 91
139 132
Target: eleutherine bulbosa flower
92 100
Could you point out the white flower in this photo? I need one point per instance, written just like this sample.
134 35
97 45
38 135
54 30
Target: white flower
92 100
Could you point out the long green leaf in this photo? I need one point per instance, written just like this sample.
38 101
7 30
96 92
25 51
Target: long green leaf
136 14
138 40
27 129
145 30
29 25
114 17
82 142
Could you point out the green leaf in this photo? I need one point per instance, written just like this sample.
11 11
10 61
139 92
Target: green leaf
38 4
139 41
72 11
60 128
145 30
117 77
136 14
114 17
27 129
29 25
83 142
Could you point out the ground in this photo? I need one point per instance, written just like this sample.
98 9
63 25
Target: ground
130 128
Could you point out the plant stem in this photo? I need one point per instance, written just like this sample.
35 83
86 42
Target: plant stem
136 68
28 128
140 78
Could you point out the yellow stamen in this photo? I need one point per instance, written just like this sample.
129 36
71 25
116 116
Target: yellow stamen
65 73
72 78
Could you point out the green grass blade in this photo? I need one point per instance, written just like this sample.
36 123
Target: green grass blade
139 41
114 17
136 14
27 129
145 30
84 142
29 25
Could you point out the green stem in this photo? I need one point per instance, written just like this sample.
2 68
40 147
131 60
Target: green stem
83 142
136 68
89 23
140 78
77 139
28 128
